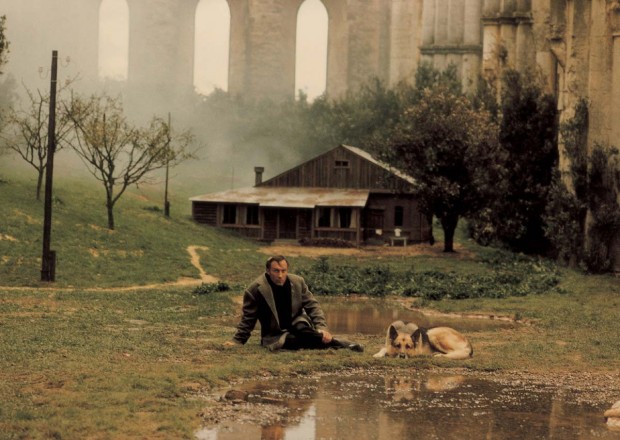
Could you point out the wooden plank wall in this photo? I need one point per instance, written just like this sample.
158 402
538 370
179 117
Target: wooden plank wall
322 172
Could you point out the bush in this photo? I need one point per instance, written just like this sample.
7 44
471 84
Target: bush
207 288
505 275
326 242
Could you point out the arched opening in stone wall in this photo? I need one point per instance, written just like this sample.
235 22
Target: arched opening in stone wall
311 50
211 46
113 40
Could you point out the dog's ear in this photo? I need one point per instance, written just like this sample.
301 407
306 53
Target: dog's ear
415 336
419 336
392 332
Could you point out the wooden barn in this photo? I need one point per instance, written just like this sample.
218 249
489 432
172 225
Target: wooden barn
344 194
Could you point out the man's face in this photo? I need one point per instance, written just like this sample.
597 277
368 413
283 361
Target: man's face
277 272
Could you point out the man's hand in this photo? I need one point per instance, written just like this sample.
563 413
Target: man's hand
327 336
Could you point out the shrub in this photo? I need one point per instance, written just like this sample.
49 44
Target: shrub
206 288
505 275
326 242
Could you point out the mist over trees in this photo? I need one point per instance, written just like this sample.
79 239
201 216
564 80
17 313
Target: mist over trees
493 162
6 84
25 131
117 153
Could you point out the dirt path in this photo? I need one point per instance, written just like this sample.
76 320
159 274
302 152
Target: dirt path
436 250
196 263
195 260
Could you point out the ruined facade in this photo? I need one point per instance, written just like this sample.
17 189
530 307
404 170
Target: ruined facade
573 45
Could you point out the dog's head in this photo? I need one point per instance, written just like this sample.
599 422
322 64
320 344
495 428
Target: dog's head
401 344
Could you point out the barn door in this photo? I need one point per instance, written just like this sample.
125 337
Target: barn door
287 225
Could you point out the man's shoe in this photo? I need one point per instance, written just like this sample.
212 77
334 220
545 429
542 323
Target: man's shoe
275 346
359 348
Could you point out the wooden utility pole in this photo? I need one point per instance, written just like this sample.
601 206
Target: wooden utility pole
166 202
48 259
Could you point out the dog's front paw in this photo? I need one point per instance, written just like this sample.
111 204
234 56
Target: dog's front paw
379 354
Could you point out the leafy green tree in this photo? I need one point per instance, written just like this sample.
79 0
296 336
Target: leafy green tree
567 205
117 153
604 207
452 151
528 133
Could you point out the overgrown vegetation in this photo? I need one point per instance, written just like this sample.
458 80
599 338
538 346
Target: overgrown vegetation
502 275
450 148
589 185
326 242
527 135
208 288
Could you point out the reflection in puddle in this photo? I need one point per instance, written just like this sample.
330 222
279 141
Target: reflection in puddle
372 317
350 315
406 404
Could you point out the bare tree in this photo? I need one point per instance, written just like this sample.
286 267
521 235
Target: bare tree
25 131
117 153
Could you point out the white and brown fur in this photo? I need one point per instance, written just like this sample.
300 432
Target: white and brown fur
406 339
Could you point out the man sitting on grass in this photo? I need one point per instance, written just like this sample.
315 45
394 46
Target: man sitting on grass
289 315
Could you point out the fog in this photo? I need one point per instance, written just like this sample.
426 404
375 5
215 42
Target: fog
34 28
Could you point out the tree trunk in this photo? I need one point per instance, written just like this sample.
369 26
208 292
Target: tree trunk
431 238
448 224
39 184
110 207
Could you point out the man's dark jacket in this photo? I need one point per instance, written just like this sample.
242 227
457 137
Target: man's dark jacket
259 305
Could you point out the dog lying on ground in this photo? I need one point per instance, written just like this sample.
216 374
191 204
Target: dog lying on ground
405 339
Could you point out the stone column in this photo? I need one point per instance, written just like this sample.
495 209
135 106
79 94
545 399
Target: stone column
80 42
525 47
358 43
428 22
442 12
491 38
455 22
262 48
337 47
403 50
472 36
161 52
491 8
615 82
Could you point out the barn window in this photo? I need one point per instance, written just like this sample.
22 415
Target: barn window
345 218
324 218
251 215
342 164
230 215
399 215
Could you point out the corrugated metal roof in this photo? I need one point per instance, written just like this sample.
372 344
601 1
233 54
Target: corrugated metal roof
284 197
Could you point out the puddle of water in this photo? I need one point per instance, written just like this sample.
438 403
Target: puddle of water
346 316
372 317
407 404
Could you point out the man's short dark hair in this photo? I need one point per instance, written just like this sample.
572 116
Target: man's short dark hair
277 259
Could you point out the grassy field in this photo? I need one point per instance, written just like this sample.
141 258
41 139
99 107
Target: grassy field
97 354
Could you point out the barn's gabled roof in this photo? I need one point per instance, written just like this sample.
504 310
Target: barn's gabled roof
383 165
299 187
289 197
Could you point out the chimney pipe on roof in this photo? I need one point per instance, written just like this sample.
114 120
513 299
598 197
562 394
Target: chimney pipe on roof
259 175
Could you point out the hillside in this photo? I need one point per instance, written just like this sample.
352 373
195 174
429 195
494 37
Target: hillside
145 247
